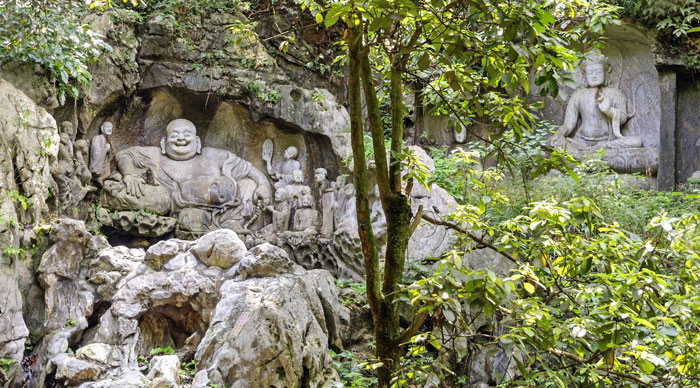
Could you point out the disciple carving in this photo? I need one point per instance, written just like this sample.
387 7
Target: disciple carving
306 219
283 171
345 211
101 153
280 213
326 199
601 109
81 168
296 189
204 187
70 188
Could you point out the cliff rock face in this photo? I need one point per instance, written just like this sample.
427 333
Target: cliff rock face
28 141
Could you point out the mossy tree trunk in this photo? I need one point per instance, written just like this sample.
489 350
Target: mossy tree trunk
382 297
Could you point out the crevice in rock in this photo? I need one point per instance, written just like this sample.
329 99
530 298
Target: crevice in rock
97 310
304 383
167 326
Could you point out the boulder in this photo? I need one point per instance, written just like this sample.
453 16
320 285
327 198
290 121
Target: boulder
272 331
265 260
164 372
73 370
221 248
95 352
163 251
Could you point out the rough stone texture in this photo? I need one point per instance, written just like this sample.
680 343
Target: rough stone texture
34 85
28 143
96 352
161 252
136 224
115 74
221 248
72 370
430 240
667 131
164 372
271 332
265 260
114 304
688 130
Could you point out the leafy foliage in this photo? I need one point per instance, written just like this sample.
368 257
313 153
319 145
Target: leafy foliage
353 374
473 61
52 36
164 350
674 16
183 7
622 200
585 303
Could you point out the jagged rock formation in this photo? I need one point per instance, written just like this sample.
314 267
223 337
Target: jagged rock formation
248 318
28 141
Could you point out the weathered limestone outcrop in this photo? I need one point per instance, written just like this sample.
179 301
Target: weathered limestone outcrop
28 141
248 318
272 331
202 56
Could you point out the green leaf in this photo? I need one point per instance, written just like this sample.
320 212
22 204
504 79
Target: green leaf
646 366
644 323
529 287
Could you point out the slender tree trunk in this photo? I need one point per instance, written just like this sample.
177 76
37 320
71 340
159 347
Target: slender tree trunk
382 326
382 301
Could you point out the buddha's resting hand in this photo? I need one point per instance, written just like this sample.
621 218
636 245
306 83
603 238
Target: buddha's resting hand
134 185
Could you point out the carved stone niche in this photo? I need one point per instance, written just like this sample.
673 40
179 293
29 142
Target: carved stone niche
224 130
630 71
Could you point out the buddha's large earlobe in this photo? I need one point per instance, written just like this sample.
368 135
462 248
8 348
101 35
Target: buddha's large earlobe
199 145
162 146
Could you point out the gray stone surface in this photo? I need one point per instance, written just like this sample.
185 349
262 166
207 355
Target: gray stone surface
271 332
221 248
667 131
688 130
95 352
72 370
123 302
164 372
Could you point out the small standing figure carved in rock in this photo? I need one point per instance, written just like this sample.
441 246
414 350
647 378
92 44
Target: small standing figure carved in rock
81 168
326 198
306 218
282 171
280 212
101 153
70 189
297 188
346 211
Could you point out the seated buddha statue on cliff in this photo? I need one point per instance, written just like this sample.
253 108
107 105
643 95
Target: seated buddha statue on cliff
205 187
601 111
